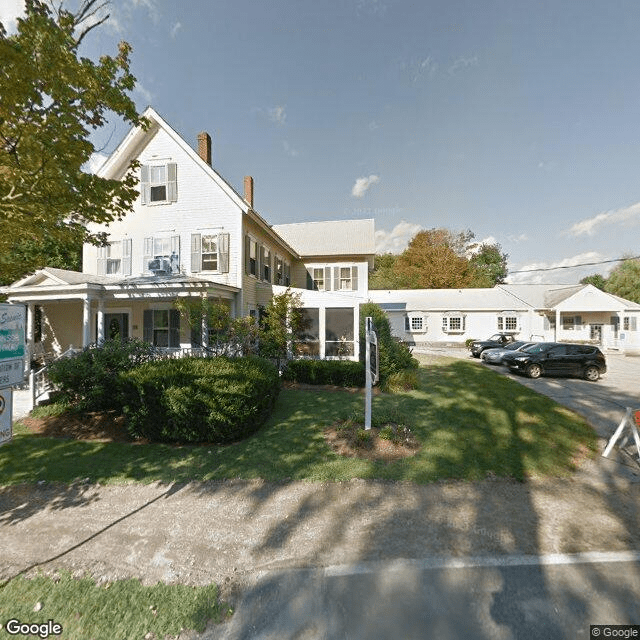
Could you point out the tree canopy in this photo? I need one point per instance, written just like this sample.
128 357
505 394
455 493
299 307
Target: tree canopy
51 99
441 259
624 280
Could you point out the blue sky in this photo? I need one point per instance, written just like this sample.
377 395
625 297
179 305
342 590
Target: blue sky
517 120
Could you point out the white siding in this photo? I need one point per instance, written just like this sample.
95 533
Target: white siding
201 207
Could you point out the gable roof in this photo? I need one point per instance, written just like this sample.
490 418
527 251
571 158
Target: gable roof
541 296
330 237
134 142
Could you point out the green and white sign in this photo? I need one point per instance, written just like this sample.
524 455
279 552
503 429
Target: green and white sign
12 344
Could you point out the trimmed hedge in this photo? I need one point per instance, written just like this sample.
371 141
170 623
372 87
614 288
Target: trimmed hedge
342 373
218 400
89 380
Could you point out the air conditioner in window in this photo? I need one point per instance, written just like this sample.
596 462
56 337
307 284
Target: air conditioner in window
160 265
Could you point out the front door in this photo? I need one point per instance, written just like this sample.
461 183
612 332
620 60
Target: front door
595 333
116 326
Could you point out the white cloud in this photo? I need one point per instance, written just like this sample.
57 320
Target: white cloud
629 215
396 240
174 30
463 63
289 150
362 185
278 115
95 162
559 272
10 11
519 238
145 93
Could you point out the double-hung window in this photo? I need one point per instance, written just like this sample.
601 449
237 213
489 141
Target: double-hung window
162 327
508 322
158 183
453 323
629 323
415 324
210 252
114 259
265 260
161 255
251 266
318 279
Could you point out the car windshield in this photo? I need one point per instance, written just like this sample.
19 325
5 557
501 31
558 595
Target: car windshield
496 338
514 345
541 347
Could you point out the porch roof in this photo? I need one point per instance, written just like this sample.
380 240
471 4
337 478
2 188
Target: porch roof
59 284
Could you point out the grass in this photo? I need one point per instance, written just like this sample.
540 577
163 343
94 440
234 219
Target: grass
471 422
124 609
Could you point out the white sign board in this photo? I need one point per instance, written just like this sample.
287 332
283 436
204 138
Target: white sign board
13 322
6 400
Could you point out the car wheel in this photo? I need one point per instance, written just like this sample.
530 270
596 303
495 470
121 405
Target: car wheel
534 370
592 373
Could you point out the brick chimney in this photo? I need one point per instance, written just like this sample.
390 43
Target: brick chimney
204 147
248 190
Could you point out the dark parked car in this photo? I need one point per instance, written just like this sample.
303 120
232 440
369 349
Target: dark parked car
558 359
494 356
495 341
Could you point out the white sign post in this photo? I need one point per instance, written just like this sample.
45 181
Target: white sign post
632 421
6 410
371 368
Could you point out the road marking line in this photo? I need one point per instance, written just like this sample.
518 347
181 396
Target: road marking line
442 562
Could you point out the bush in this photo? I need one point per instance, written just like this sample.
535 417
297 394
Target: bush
89 380
343 373
399 381
394 356
216 400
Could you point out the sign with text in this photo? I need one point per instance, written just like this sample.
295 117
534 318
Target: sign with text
6 401
13 322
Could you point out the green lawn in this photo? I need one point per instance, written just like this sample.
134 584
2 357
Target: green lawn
124 609
471 422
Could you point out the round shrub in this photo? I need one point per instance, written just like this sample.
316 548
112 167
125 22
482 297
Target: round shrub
217 400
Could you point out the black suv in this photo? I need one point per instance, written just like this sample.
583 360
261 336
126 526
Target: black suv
558 358
495 341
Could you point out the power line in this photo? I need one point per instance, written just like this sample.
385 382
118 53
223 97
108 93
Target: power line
573 266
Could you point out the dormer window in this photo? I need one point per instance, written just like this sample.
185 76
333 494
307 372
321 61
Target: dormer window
158 183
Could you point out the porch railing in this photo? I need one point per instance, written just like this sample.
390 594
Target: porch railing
39 383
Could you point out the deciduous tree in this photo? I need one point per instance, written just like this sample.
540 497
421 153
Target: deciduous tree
51 99
624 280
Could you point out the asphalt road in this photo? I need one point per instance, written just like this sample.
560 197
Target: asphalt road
486 598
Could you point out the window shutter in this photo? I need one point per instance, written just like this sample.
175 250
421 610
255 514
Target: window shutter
174 328
336 278
126 256
269 263
172 181
223 253
445 324
247 254
464 323
102 261
500 323
354 278
309 280
578 321
175 249
634 324
147 326
287 274
407 323
260 258
144 183
196 252
147 253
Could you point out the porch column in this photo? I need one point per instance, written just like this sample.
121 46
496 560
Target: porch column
31 325
86 321
557 329
100 336
204 325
